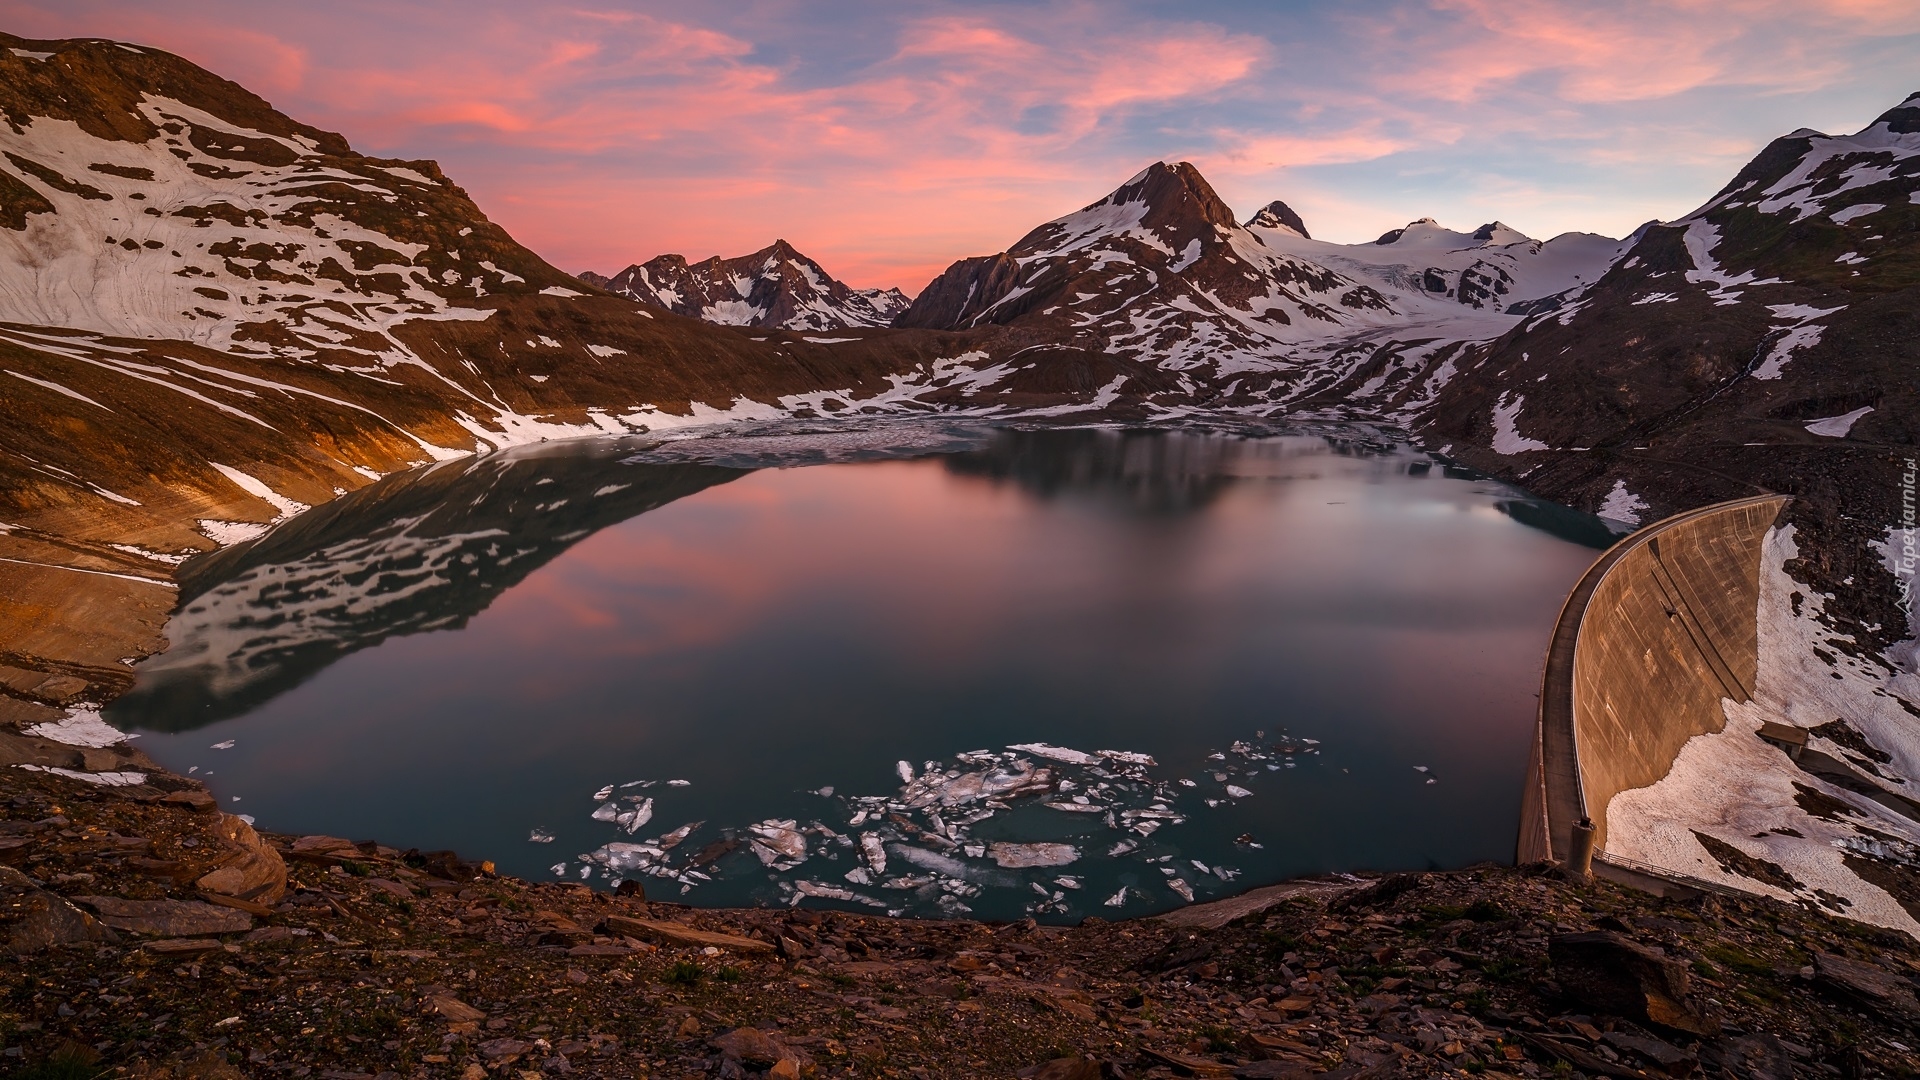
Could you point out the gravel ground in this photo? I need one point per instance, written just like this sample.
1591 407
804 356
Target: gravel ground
363 961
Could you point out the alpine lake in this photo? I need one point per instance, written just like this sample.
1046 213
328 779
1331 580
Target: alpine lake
938 668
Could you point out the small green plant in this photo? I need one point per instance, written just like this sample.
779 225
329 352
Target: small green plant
683 973
729 974
1486 911
1739 960
1220 1040
356 868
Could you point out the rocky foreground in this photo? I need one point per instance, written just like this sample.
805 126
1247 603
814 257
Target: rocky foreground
159 937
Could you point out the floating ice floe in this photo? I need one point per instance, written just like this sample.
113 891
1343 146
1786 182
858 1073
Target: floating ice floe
919 841
639 815
778 843
603 794
679 783
1022 856
540 836
224 744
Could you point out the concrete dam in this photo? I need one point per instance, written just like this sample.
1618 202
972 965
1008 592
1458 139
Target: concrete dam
1652 638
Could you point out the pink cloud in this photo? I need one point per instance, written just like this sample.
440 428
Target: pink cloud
605 136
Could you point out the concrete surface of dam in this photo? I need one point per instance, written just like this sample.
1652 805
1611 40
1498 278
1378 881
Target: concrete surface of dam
1654 636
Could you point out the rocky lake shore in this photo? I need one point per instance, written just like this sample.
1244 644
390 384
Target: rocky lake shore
156 936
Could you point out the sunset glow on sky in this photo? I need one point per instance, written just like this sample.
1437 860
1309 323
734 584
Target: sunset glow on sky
888 139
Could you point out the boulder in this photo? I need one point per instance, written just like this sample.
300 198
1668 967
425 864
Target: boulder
168 918
1866 985
33 919
454 1009
251 870
1612 974
1069 1068
757 1049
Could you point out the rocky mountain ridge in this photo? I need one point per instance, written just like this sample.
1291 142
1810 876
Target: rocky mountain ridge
775 287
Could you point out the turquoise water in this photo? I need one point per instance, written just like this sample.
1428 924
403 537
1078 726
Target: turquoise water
1326 642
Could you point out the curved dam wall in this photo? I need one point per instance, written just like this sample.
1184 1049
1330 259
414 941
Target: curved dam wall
1655 634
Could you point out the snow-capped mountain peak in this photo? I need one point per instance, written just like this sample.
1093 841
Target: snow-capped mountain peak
1278 215
775 287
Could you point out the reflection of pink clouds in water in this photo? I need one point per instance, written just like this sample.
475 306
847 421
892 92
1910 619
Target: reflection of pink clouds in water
718 562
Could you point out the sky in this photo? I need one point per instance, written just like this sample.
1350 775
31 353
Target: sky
887 138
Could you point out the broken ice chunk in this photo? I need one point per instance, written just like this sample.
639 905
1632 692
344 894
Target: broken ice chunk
1237 791
540 836
875 852
1180 886
1200 866
1076 806
638 816
559 869
606 812
1056 753
1068 882
825 792
822 891
673 838
858 875
905 769
1419 768
1124 847
679 783
1187 783
224 744
603 793
778 843
1021 856
1128 757
1117 899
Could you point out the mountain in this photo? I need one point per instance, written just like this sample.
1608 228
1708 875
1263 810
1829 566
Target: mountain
1768 340
774 287
211 313
1160 272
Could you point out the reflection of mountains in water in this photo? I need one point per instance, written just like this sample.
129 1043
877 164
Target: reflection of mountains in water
1151 471
422 550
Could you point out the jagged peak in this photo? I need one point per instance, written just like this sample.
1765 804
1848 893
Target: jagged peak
1499 232
1167 188
1392 236
1904 118
1278 215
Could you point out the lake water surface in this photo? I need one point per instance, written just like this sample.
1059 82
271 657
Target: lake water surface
820 648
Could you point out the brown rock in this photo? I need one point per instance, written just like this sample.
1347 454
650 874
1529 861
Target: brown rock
756 1048
192 799
252 871
1866 984
212 1065
32 919
183 946
323 848
784 1069
683 935
1612 974
454 1009
1187 1065
168 918
1069 1068
503 1050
